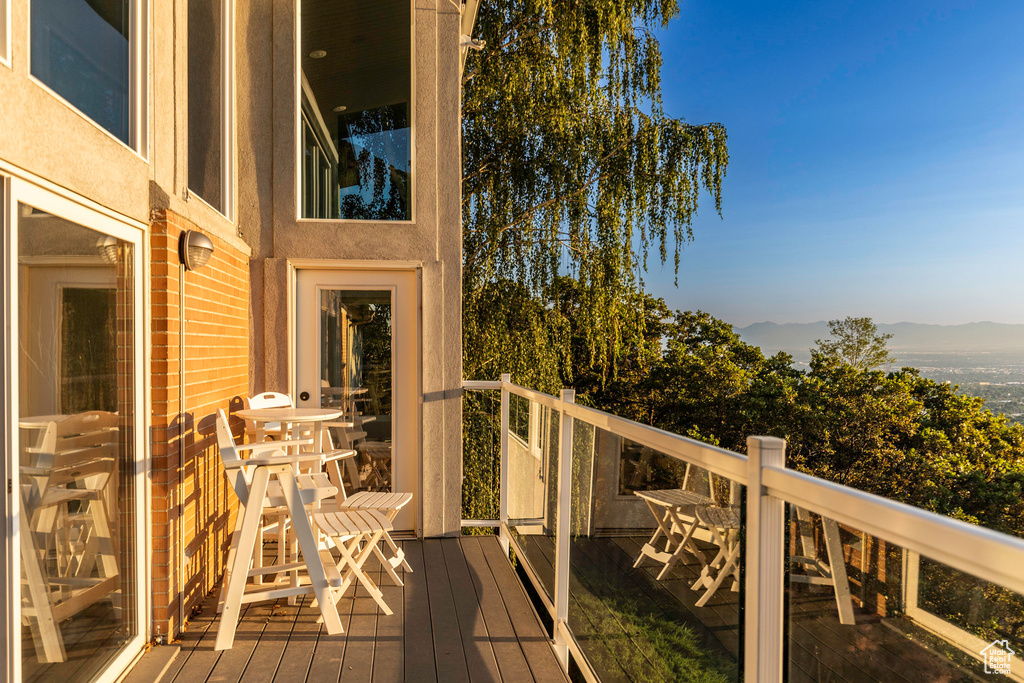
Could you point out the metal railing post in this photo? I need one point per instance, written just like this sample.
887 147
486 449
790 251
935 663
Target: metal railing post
764 565
563 530
503 465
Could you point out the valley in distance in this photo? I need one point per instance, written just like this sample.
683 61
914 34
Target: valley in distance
985 359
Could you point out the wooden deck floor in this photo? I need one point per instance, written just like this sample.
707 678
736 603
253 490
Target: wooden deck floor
627 622
461 616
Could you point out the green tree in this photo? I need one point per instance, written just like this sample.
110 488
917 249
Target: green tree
857 343
704 375
571 165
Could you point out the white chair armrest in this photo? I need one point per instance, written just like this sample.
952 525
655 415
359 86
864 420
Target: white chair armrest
282 459
339 455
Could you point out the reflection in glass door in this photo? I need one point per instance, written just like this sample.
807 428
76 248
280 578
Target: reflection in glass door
356 376
357 342
78 541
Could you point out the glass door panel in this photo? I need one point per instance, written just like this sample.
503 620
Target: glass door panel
356 376
78 536
356 343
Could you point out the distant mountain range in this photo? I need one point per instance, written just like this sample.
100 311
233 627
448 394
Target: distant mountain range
799 337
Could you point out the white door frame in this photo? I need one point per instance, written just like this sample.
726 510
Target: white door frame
69 206
414 481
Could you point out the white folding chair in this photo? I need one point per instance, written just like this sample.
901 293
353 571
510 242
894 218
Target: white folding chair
268 399
267 483
316 486
387 503
270 479
69 513
819 573
724 524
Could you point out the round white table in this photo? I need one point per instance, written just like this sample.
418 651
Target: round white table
293 417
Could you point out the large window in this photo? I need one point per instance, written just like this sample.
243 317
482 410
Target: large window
82 50
76 570
209 101
356 110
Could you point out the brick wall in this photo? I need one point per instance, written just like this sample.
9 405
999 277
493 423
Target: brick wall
189 487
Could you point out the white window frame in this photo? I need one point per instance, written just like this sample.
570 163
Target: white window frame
300 81
138 70
5 33
60 202
227 115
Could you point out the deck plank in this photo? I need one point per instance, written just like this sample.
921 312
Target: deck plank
479 655
389 651
203 626
359 654
266 658
204 658
230 665
532 638
419 641
329 653
512 663
298 652
449 655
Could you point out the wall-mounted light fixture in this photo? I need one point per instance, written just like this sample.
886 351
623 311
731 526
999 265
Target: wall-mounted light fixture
107 247
194 249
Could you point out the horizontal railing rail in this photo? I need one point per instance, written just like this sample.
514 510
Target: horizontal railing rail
983 553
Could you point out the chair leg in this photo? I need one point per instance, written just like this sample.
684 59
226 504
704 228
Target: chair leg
232 552
309 547
726 570
243 557
386 563
355 569
49 642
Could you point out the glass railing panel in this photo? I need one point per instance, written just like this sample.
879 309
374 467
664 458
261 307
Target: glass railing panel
533 488
481 455
633 604
861 608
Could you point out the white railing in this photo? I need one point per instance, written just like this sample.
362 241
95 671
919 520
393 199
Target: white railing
985 554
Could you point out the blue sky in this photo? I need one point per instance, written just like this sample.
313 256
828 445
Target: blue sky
876 160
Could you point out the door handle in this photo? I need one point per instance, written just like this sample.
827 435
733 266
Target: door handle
304 396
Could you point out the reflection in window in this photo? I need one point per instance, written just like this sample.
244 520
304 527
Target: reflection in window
81 49
643 469
205 101
356 118
356 377
78 533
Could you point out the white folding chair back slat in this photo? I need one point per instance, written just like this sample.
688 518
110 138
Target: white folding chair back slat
268 399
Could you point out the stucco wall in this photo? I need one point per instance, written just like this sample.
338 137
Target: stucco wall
433 239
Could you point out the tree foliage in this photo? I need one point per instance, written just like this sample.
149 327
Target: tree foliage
571 165
896 434
856 343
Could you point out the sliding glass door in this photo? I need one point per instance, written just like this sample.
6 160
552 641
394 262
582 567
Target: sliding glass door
76 508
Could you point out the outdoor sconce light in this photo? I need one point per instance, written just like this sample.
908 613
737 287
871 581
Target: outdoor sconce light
107 247
194 249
